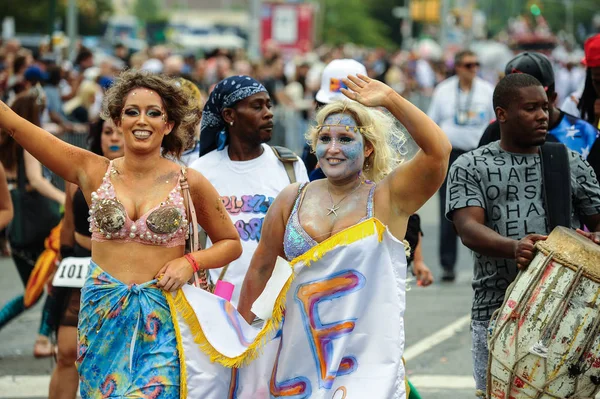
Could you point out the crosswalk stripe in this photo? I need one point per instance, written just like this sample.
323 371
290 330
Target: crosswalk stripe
443 381
442 335
24 386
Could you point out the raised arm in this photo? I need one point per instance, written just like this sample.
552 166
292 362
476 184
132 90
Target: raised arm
412 183
6 205
69 162
269 248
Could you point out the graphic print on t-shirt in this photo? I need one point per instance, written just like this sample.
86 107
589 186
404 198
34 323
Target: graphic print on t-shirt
256 204
509 188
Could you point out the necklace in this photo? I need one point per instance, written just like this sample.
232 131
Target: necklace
335 207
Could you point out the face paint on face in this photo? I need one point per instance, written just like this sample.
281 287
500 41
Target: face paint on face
340 150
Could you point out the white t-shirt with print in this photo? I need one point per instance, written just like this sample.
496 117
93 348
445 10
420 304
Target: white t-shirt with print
247 189
463 122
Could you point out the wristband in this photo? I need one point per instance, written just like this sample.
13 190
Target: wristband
192 262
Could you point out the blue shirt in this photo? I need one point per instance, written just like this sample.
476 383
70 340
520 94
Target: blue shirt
575 133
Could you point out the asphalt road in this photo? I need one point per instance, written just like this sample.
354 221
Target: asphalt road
437 331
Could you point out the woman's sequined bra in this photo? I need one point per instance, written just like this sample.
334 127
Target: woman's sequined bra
164 225
296 241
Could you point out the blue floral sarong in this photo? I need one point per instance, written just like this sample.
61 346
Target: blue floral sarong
127 346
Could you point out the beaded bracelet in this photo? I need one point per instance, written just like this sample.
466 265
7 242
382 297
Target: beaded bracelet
192 262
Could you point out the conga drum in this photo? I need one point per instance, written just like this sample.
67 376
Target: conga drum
545 340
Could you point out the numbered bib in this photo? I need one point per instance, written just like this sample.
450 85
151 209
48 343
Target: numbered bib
71 272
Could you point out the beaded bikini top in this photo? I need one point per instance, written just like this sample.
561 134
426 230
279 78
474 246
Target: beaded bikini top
164 225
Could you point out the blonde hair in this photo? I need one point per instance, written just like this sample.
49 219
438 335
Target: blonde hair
377 127
84 98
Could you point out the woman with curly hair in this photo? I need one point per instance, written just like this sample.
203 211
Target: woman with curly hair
75 242
138 219
343 238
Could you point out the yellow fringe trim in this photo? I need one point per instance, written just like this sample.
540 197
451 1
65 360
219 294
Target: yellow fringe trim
182 368
252 352
345 237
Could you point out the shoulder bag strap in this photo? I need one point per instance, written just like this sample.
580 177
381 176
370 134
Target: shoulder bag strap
556 177
192 244
287 158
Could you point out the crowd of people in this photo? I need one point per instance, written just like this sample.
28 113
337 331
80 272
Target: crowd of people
148 142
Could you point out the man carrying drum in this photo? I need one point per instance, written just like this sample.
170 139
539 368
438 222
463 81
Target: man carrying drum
505 196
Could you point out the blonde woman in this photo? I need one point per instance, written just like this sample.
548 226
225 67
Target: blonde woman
343 237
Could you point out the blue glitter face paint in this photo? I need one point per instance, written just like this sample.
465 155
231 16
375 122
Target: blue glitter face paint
340 150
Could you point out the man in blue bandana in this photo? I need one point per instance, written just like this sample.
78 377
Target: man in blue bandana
248 174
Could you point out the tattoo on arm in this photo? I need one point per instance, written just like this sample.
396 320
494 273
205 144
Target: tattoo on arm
219 207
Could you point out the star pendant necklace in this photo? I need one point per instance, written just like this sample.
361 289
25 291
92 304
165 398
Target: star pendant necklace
335 207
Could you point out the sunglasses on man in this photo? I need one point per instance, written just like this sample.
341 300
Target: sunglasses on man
471 65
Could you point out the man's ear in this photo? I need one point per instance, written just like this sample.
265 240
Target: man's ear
228 115
501 115
552 99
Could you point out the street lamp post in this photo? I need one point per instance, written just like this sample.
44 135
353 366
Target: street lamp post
72 27
254 34
569 16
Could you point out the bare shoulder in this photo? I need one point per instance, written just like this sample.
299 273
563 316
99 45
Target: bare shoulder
91 177
195 178
286 198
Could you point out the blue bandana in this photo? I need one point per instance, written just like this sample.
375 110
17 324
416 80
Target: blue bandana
226 94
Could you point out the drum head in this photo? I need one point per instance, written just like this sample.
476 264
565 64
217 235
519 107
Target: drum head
573 250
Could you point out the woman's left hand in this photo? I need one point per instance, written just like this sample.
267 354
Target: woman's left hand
422 273
174 274
367 91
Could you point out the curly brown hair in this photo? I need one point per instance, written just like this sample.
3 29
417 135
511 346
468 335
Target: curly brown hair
181 109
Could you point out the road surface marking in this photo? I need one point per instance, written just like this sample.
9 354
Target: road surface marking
435 339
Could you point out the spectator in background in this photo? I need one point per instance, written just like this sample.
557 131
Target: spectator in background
20 63
84 60
275 81
122 52
53 114
587 103
173 66
199 75
26 249
462 106
78 108
189 63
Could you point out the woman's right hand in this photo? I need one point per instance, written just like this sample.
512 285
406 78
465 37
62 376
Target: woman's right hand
174 274
369 92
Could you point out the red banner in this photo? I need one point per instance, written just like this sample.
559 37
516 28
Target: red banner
288 25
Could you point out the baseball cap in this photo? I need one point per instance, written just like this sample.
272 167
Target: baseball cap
35 74
534 64
591 48
331 79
